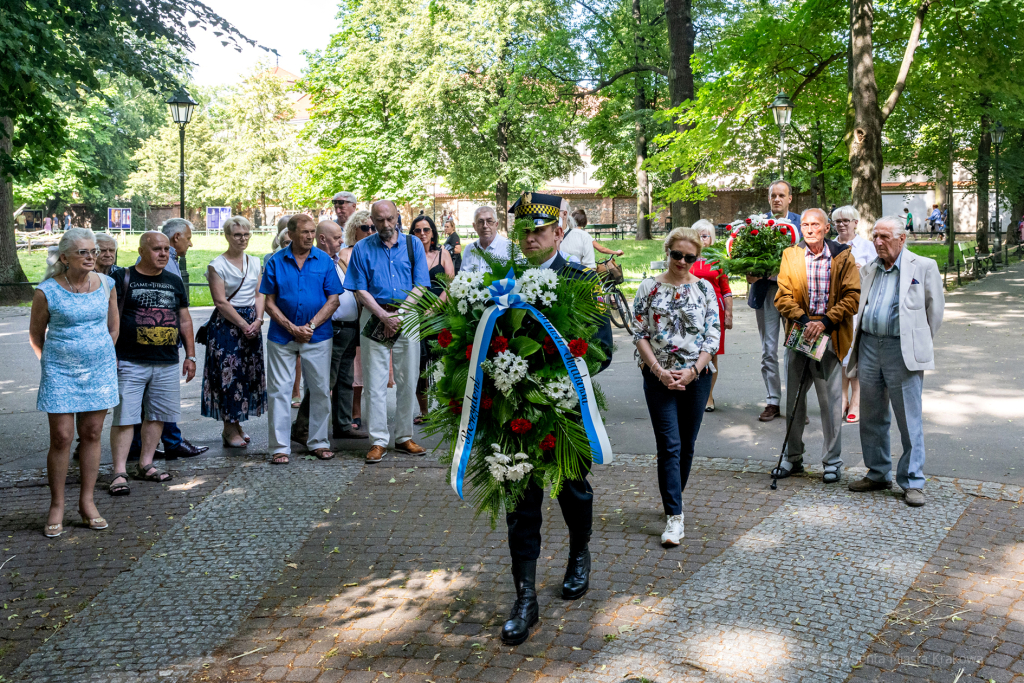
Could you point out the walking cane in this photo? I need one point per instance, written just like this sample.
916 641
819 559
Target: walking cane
789 426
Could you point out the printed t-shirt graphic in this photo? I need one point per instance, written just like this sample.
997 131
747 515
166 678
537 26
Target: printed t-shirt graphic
149 319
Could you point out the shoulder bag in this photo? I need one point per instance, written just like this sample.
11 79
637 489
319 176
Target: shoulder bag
202 334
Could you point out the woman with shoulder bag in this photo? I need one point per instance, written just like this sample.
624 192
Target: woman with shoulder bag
676 332
234 376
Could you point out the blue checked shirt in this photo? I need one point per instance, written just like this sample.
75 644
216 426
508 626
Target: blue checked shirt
819 276
882 313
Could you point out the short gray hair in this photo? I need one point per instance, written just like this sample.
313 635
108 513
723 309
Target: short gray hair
282 223
821 212
106 238
476 214
704 226
276 243
240 221
172 226
848 213
898 225
68 242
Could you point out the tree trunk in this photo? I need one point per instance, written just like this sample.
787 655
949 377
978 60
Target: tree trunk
865 143
643 205
984 165
10 266
819 166
950 223
679 20
501 187
263 207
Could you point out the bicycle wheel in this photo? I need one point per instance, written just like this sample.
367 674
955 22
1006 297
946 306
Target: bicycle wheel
612 305
620 304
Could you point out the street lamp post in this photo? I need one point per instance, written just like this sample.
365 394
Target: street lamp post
997 137
782 110
182 105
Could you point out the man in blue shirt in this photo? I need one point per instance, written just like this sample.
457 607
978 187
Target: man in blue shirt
302 288
383 271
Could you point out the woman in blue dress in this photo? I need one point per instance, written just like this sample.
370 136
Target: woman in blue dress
73 327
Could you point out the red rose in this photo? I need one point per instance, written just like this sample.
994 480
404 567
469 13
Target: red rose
499 345
486 402
444 338
549 345
520 426
469 351
771 222
548 443
455 406
754 231
747 221
578 348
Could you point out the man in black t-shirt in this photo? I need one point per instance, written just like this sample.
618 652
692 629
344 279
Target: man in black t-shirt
154 315
454 243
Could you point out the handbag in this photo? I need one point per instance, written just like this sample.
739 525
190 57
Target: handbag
202 334
611 272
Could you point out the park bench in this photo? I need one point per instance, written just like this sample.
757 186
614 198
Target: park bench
608 230
981 263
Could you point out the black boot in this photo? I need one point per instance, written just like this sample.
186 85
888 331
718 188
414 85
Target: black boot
577 573
524 611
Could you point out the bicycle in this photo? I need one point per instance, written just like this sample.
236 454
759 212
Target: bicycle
614 299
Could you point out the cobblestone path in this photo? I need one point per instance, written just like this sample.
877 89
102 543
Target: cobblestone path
798 598
191 590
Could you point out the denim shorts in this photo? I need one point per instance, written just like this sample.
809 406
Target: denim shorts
155 388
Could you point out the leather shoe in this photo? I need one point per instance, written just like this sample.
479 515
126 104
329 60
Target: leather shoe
769 413
914 497
865 484
351 434
184 450
524 612
410 447
577 574
376 454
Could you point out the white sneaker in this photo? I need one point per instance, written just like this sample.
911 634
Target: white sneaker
673 531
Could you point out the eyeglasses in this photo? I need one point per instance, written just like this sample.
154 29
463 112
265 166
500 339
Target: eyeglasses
843 221
241 236
680 256
85 253
367 228
421 231
489 222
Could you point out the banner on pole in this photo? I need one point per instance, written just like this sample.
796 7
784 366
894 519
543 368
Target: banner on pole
216 216
119 219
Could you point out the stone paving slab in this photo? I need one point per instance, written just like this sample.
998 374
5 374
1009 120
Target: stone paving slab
418 588
190 591
965 613
44 583
795 599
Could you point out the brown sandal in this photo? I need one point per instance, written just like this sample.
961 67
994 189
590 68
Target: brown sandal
323 453
279 459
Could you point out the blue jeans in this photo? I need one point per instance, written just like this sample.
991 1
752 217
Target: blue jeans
676 418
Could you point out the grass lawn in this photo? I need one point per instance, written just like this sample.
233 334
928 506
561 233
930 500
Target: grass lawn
204 249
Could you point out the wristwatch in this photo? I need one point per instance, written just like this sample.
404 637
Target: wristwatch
311 325
191 358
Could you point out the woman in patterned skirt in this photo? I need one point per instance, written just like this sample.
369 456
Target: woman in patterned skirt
234 377
72 330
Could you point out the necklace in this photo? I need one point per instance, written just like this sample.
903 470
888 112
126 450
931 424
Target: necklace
72 286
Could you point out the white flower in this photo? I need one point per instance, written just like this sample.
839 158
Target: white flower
463 308
548 298
496 448
563 392
521 456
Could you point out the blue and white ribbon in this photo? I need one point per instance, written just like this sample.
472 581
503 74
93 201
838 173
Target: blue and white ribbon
505 295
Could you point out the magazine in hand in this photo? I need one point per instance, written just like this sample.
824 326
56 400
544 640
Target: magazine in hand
815 349
378 332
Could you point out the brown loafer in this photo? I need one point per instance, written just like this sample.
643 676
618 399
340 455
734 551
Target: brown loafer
769 413
410 447
376 454
865 484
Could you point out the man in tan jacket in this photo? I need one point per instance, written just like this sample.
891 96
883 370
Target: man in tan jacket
819 289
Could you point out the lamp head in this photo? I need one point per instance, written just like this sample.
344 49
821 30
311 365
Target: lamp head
182 105
782 109
997 133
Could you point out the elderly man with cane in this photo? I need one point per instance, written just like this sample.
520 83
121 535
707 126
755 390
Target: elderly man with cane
819 290
899 315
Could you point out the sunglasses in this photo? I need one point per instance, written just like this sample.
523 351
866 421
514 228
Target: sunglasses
680 256
421 231
367 228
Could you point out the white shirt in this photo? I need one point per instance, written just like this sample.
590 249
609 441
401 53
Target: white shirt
348 307
473 261
863 251
233 277
580 244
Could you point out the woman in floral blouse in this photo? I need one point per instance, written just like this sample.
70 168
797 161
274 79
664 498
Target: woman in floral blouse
676 332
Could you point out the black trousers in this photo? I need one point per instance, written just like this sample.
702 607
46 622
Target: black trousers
343 355
577 502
